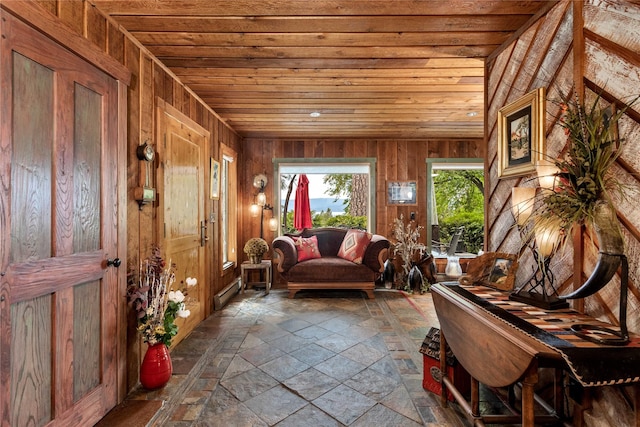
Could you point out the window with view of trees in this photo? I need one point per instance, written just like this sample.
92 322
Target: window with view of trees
340 195
456 192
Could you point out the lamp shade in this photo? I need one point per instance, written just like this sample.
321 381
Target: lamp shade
522 200
261 199
273 224
254 209
547 173
547 238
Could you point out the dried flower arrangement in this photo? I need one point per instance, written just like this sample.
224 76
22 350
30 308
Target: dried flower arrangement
585 178
156 304
256 246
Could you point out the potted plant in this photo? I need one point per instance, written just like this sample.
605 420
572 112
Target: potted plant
255 248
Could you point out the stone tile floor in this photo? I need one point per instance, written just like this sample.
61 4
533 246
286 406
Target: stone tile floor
321 359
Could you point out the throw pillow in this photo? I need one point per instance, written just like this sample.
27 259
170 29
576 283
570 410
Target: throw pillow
307 248
354 245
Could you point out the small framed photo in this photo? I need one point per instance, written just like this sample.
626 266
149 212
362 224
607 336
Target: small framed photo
502 275
401 193
494 269
521 135
214 189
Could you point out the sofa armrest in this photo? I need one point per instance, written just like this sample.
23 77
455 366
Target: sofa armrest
376 253
286 253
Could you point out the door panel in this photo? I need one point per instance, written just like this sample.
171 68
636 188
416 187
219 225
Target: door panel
58 354
86 169
181 211
31 380
31 160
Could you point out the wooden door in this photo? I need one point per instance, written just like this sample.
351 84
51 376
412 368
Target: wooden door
58 222
182 150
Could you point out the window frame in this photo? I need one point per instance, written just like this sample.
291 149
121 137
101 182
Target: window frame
446 163
369 162
228 209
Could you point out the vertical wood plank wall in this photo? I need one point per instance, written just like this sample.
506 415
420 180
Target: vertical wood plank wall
601 55
396 160
149 79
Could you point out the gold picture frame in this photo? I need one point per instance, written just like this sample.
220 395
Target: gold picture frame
214 189
521 134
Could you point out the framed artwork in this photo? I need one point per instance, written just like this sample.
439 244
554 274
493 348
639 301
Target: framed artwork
215 180
401 193
521 135
494 269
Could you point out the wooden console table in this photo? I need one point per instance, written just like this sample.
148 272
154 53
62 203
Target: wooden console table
500 342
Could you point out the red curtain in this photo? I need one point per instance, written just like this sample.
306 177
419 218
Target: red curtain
302 209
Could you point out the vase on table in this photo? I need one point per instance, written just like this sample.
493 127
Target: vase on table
255 258
156 367
453 269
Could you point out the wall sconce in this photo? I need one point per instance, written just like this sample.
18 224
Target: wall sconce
547 174
261 205
254 209
522 201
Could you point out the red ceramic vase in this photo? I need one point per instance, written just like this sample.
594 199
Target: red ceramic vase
156 368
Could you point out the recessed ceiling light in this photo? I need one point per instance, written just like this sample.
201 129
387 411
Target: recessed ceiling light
315 114
472 114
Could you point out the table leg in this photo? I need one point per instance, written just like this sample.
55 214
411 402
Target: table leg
530 380
243 279
268 280
475 398
443 370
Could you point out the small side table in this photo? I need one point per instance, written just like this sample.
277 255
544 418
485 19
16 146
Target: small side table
247 266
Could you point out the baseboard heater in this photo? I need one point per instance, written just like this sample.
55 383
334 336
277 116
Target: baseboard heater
223 297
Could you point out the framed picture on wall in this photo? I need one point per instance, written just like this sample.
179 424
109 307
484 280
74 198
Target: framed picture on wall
215 180
401 193
521 135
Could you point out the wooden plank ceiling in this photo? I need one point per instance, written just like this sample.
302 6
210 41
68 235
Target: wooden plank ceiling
370 68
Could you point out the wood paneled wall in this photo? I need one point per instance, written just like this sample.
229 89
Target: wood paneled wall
102 42
591 46
396 160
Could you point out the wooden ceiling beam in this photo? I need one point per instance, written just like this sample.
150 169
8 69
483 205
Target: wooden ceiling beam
311 8
322 24
323 63
284 53
188 73
396 39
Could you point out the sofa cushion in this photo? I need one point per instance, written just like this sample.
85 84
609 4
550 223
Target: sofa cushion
329 238
307 248
329 269
354 245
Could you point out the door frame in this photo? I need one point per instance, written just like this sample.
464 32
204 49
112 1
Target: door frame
164 108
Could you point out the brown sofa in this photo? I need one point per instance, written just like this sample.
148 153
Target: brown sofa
330 271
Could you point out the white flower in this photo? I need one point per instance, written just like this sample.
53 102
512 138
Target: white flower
176 296
183 312
191 281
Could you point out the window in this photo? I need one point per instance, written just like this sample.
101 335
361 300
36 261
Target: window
455 194
327 166
228 208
